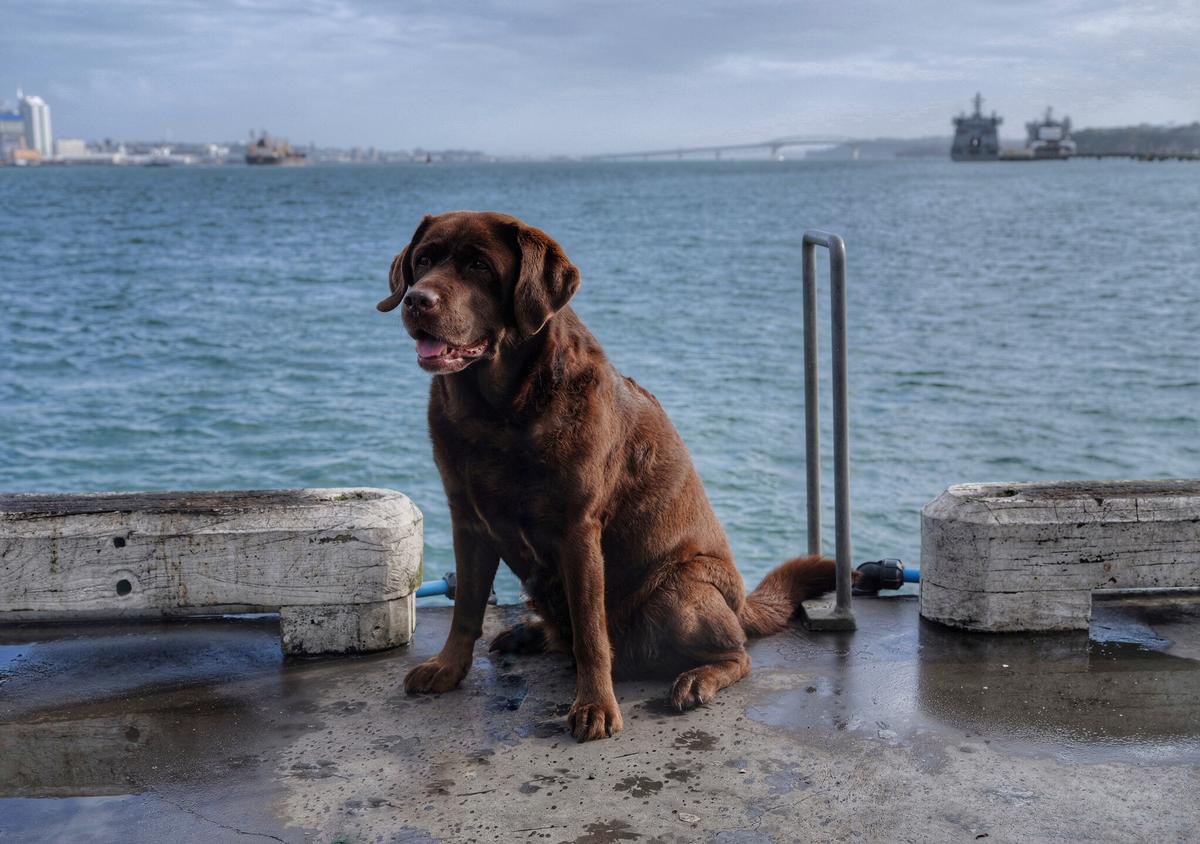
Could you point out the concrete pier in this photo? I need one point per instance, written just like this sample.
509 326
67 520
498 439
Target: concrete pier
1028 556
339 565
902 731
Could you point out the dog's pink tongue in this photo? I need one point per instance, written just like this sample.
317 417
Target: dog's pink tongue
430 348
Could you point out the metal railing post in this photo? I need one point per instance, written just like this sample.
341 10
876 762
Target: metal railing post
820 615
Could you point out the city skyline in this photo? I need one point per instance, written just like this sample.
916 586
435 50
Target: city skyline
26 138
584 78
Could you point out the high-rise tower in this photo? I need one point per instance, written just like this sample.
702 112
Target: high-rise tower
36 115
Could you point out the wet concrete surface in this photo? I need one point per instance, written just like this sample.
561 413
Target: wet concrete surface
900 731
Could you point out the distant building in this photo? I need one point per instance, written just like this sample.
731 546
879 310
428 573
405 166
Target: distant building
36 115
70 147
23 156
12 132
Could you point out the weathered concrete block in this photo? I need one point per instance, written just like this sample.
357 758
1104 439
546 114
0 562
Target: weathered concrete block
341 565
1002 557
329 628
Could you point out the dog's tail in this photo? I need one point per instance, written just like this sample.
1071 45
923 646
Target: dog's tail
769 607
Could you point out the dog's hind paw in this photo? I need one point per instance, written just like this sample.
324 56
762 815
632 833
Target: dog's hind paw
527 637
434 675
693 688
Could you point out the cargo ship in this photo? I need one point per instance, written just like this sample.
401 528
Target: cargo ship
976 136
268 150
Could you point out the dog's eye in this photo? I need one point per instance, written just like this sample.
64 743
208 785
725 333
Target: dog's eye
480 266
423 261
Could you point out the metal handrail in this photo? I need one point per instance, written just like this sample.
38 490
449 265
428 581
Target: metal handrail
841 616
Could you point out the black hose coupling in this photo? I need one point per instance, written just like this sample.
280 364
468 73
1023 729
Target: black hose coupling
879 574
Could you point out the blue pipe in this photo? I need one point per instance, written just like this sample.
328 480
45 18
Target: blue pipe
442 585
433 587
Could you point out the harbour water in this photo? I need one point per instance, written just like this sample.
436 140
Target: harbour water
205 328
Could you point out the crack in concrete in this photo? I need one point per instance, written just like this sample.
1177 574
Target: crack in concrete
197 814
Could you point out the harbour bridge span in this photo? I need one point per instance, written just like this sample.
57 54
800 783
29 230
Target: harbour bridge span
773 146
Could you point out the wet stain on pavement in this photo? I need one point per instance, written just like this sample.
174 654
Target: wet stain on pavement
439 787
322 769
783 777
607 832
542 729
682 774
402 745
639 786
696 740
559 780
511 691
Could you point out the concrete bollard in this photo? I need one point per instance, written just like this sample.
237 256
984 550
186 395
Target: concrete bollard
1027 556
340 565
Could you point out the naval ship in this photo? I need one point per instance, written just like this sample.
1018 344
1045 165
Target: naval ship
1050 138
975 136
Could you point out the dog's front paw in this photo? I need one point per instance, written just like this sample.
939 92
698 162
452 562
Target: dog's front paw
594 719
435 675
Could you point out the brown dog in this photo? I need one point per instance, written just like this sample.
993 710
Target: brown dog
574 475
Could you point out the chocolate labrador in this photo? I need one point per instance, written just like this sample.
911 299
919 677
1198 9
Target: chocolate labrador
573 475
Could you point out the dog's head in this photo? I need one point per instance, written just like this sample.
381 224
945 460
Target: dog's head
470 282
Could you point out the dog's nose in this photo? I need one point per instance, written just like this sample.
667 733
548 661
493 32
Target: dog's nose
421 301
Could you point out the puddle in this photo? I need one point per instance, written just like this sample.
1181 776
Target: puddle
172 730
1083 699
9 656
57 667
142 817
1124 693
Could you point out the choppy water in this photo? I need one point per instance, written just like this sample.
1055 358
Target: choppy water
210 328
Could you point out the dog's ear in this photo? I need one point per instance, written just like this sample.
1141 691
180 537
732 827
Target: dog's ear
396 282
400 276
546 280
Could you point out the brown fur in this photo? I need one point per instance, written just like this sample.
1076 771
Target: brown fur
574 476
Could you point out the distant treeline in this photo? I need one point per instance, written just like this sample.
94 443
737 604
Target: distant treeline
1122 140
1139 140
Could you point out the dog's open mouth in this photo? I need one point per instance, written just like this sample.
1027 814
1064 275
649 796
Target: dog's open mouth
439 356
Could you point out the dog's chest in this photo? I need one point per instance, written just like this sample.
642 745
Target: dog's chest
517 497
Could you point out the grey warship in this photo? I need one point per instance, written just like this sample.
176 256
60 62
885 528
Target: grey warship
1050 139
975 135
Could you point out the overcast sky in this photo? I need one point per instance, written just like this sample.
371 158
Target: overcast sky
550 77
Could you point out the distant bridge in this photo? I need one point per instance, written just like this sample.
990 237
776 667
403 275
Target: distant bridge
773 146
